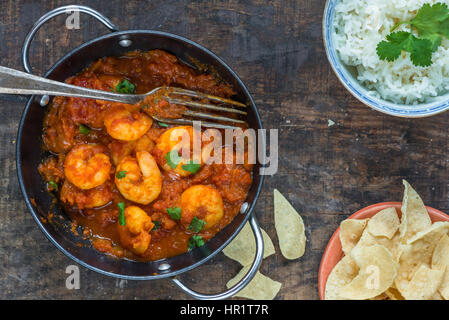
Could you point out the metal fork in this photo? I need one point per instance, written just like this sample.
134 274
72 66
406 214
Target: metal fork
17 82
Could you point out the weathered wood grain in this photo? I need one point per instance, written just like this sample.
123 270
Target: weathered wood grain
326 172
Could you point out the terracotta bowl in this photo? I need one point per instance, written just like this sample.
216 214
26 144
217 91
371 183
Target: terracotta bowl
333 253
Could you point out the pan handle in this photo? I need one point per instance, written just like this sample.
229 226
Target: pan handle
243 282
53 13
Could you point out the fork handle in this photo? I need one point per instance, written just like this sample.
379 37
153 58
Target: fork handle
17 82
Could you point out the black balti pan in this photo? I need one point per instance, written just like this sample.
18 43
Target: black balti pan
29 155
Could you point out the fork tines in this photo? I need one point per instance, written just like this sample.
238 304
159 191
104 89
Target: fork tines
202 106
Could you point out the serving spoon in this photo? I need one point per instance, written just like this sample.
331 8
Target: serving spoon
17 82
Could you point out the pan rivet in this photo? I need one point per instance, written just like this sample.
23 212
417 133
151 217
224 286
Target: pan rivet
125 43
44 100
164 267
244 207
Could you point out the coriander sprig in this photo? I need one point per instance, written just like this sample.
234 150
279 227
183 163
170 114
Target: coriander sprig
195 241
431 23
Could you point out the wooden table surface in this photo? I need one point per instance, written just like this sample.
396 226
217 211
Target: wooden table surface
327 172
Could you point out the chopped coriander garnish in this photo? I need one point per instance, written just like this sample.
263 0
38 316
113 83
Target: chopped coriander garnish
195 241
121 213
191 167
83 129
120 174
157 224
196 225
161 124
54 185
125 87
431 23
174 213
172 158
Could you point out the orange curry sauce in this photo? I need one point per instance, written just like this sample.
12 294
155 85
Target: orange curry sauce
146 70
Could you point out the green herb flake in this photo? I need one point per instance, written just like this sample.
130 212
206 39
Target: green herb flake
83 129
191 167
157 225
195 241
431 23
125 87
53 185
196 225
120 174
174 213
121 213
172 158
161 124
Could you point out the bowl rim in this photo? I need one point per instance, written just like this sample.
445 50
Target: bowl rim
334 242
249 211
382 105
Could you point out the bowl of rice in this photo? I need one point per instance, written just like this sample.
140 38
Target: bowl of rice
352 30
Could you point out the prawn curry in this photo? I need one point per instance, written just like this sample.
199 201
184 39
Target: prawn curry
110 166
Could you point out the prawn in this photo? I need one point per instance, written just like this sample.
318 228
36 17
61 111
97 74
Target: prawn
203 202
87 166
139 179
126 125
172 141
86 199
135 233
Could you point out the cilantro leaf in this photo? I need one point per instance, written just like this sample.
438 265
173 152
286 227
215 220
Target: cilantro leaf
83 129
121 213
428 19
125 86
444 28
391 49
174 213
196 225
435 40
172 158
388 51
120 174
195 241
421 52
191 167
53 185
431 22
157 225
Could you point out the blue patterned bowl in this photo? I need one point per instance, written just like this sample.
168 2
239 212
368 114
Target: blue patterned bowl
437 105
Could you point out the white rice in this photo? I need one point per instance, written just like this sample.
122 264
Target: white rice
361 24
